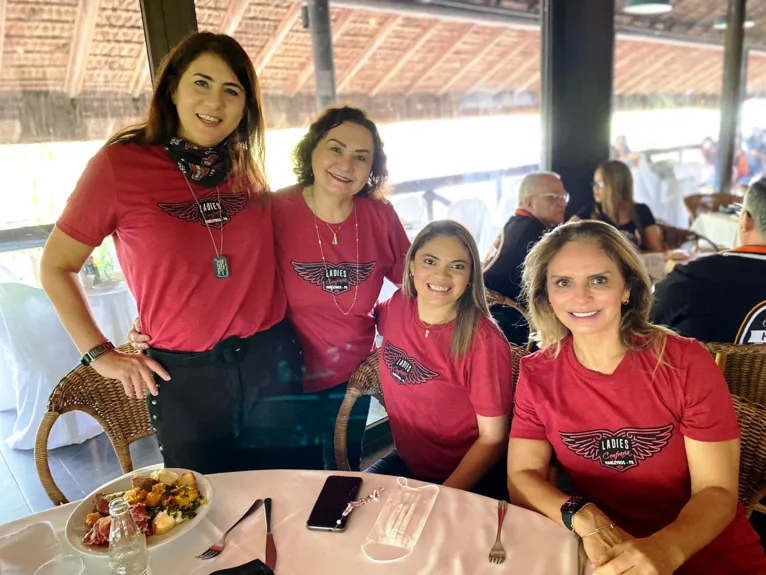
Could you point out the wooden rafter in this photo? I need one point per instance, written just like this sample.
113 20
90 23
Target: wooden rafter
468 66
339 26
85 27
529 82
681 81
642 75
3 9
234 14
406 57
444 57
279 35
625 64
369 50
519 73
510 57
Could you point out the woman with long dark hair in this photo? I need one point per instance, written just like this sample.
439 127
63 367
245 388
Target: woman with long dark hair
183 196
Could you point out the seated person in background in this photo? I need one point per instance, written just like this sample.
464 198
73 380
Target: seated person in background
722 298
613 194
445 369
542 203
640 419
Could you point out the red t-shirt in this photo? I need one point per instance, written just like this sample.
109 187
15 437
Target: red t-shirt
335 344
620 438
139 195
433 398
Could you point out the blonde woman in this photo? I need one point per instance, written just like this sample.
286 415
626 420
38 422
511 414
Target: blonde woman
445 368
613 195
639 418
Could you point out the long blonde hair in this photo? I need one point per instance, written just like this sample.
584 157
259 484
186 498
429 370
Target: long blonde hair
636 331
618 190
472 305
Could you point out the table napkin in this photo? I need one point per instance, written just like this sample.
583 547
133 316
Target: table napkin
255 567
22 552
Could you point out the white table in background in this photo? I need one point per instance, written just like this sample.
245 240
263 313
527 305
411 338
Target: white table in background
721 229
456 539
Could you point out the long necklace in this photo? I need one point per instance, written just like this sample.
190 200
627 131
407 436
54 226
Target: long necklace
220 263
329 227
324 261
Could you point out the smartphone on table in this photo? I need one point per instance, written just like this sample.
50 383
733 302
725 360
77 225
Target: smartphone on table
338 490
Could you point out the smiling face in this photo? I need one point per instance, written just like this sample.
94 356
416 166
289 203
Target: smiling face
342 160
210 101
441 272
586 290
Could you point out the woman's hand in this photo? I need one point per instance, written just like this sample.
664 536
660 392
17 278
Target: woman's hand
138 339
649 556
134 371
590 519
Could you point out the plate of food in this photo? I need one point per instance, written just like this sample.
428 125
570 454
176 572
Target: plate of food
165 504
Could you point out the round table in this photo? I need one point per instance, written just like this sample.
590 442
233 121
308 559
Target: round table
456 539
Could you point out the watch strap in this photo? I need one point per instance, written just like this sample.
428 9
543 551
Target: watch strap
570 508
96 352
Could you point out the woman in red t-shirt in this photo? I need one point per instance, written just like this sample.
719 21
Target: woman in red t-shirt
639 418
336 240
445 368
171 191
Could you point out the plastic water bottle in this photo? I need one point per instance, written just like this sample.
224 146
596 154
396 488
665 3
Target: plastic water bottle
127 545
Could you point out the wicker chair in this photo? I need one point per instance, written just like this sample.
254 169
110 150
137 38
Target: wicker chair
124 420
697 204
752 465
673 238
743 367
366 381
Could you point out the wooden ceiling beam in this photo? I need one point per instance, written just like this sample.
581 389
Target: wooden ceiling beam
405 58
3 10
529 83
444 57
468 66
506 61
339 26
368 52
681 81
283 29
85 27
519 73
640 76
234 14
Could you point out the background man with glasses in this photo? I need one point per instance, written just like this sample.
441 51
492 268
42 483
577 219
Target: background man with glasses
542 204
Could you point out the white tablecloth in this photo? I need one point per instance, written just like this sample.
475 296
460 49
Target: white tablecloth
721 229
37 352
456 539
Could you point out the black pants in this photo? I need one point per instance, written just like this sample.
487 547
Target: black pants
512 323
494 484
321 411
235 407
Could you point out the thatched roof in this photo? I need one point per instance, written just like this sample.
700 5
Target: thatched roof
85 60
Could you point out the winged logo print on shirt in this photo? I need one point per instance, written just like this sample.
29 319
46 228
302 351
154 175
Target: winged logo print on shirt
208 212
334 278
405 369
619 450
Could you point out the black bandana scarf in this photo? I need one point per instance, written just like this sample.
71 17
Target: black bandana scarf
209 167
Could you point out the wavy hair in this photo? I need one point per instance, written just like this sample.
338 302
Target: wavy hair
636 331
246 143
472 305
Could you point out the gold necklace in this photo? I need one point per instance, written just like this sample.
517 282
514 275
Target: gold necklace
324 261
428 326
343 223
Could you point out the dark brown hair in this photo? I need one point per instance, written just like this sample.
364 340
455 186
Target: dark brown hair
332 118
472 305
246 142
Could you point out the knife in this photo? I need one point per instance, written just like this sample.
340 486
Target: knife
271 549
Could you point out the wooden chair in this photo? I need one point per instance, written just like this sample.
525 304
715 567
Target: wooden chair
743 367
673 238
366 381
697 204
124 420
752 464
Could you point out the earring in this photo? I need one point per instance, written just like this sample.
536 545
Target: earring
626 301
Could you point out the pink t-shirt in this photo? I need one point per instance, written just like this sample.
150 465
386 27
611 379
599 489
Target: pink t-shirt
138 195
433 398
620 438
334 343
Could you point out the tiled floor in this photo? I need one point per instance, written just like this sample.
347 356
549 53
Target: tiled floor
79 469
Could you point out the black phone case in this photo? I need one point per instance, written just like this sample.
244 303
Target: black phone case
336 492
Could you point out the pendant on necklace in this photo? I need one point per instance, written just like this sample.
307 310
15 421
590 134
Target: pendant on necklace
427 332
221 267
334 239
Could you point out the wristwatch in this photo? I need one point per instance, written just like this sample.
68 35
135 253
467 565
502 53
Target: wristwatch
97 352
570 508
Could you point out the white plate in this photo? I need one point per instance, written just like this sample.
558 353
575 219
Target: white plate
75 525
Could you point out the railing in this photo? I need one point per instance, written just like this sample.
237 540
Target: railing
24 238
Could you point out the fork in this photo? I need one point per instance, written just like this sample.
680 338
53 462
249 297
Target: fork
217 548
497 553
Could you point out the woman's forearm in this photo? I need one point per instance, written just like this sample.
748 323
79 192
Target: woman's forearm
529 489
66 293
475 464
702 519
